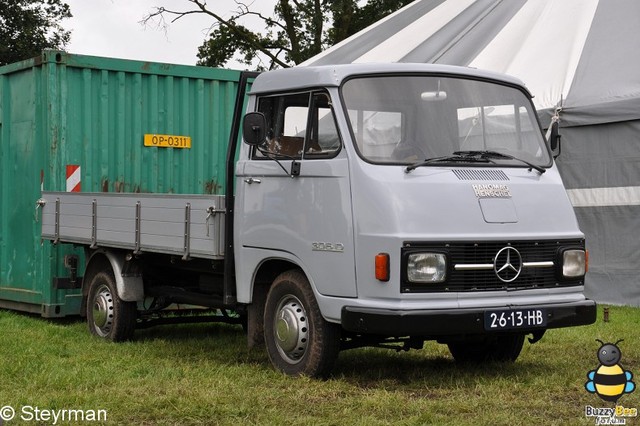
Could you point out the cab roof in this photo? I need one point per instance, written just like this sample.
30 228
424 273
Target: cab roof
333 75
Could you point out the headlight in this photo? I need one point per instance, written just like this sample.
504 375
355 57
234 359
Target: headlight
427 268
574 263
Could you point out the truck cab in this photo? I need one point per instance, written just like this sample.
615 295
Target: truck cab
396 203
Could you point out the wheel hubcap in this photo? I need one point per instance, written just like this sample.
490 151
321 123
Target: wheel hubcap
103 310
291 329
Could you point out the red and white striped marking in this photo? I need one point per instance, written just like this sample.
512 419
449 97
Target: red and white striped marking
73 178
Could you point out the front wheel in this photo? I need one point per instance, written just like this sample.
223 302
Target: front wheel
299 340
502 348
108 316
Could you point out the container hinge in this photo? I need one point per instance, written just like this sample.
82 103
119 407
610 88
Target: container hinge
187 231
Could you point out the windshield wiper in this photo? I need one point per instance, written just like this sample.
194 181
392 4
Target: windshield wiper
495 154
448 159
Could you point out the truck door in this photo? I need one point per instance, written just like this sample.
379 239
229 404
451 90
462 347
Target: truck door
305 216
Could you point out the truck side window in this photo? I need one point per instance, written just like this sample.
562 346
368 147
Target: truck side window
297 124
323 140
286 124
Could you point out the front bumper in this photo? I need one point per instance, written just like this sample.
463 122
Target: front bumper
389 322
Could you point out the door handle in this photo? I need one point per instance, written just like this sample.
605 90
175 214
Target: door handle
252 180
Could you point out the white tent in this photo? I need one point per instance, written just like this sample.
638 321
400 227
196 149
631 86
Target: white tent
582 56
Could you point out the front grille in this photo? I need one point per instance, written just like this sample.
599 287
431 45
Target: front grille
474 258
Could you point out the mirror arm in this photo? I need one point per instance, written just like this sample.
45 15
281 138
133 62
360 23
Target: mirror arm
559 146
295 165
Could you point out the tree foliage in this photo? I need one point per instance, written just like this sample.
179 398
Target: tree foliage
29 26
296 31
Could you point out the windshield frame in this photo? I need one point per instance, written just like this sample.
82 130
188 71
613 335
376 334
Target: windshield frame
527 98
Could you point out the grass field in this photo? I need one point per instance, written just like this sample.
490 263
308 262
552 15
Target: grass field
203 374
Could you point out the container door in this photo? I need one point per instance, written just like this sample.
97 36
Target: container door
295 192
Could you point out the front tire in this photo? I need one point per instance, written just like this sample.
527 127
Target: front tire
502 348
299 340
108 316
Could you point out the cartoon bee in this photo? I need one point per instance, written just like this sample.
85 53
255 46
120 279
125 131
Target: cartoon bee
609 381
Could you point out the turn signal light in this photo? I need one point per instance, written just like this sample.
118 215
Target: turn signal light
586 261
382 267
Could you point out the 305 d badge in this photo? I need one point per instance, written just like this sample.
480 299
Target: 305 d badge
332 247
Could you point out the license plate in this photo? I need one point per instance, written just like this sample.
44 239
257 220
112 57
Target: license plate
167 141
514 319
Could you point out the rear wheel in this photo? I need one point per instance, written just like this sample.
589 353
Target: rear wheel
299 340
502 348
108 316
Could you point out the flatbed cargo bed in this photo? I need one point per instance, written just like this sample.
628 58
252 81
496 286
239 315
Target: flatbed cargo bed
184 225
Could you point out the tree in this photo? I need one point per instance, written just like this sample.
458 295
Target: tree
298 29
29 26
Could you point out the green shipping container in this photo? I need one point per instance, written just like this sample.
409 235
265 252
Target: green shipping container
79 122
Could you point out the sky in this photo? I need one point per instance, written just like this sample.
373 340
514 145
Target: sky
112 28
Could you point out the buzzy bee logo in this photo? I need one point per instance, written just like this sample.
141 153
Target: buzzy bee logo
610 381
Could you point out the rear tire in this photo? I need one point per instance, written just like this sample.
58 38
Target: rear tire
108 316
503 348
299 340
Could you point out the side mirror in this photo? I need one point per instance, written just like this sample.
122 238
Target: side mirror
254 128
554 138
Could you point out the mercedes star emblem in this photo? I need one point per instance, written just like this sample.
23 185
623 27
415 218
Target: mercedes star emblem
507 264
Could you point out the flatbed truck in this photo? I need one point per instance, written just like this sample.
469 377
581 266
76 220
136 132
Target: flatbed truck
368 205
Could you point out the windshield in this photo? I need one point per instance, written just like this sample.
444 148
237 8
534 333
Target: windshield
408 119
